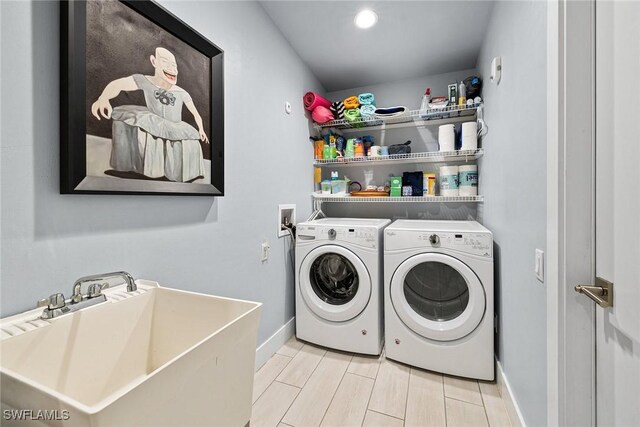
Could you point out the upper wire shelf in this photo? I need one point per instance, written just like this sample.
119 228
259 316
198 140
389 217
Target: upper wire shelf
426 157
403 199
449 114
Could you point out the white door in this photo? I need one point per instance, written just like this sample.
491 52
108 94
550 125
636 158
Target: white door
334 283
437 296
618 211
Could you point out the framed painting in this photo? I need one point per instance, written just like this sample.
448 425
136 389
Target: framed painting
142 108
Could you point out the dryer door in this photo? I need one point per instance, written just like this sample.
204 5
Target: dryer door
334 283
437 296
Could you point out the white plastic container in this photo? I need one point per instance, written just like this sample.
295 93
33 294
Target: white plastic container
470 136
468 180
446 137
448 179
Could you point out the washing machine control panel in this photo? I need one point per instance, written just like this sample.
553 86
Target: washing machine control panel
473 243
480 244
363 236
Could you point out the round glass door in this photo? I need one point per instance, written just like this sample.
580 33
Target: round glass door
334 283
436 291
333 278
437 296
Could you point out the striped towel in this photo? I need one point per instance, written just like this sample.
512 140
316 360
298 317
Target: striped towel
337 108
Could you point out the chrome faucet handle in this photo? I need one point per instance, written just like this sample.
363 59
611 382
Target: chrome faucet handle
53 302
76 297
95 290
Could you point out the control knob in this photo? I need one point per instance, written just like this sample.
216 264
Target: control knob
332 234
434 239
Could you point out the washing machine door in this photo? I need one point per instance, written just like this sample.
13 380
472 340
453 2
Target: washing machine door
334 283
437 296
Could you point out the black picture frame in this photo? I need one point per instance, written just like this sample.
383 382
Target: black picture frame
73 95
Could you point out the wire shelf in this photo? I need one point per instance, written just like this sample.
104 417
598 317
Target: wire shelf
427 157
404 199
409 118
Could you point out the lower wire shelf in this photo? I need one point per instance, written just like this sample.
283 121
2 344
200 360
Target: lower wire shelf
403 199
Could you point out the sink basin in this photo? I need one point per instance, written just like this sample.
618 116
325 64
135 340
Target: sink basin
154 357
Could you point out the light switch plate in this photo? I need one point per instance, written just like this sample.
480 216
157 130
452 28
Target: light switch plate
539 265
264 251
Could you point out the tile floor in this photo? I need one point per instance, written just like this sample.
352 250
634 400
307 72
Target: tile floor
306 385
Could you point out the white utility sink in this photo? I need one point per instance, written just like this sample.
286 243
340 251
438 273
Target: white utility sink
154 357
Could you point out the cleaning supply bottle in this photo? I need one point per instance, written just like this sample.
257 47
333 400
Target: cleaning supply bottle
426 99
462 94
326 151
349 149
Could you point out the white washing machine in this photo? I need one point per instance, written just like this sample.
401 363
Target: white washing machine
339 283
439 296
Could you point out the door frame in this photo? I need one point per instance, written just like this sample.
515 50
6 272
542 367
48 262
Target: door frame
570 211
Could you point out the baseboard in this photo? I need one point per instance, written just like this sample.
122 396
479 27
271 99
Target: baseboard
509 400
274 342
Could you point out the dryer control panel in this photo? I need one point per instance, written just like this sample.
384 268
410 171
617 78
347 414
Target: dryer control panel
480 244
362 236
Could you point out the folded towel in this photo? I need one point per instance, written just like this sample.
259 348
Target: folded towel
366 99
351 102
390 111
337 108
321 114
312 100
353 117
367 111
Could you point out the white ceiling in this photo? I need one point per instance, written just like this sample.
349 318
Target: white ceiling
411 39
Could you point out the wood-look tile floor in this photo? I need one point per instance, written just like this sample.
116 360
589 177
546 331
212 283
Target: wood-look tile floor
304 385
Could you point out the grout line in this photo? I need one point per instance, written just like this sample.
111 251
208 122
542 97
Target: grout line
484 406
369 400
314 369
289 407
273 380
290 385
406 400
387 415
305 383
460 400
363 376
334 393
444 401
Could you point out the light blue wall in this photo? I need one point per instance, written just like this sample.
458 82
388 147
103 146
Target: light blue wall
512 179
194 243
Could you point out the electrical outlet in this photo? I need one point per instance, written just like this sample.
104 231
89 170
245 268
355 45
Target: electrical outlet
286 214
264 251
539 265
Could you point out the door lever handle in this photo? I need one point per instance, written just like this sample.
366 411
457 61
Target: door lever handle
601 293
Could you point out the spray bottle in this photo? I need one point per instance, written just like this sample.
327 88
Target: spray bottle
462 94
426 99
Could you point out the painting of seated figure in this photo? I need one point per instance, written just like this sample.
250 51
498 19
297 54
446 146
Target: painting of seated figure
150 107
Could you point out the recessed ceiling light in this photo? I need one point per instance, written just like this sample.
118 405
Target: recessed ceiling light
366 19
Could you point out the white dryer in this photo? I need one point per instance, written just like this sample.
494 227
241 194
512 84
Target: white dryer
339 283
439 296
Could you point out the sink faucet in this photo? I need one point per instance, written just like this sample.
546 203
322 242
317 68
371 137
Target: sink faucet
56 305
77 292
